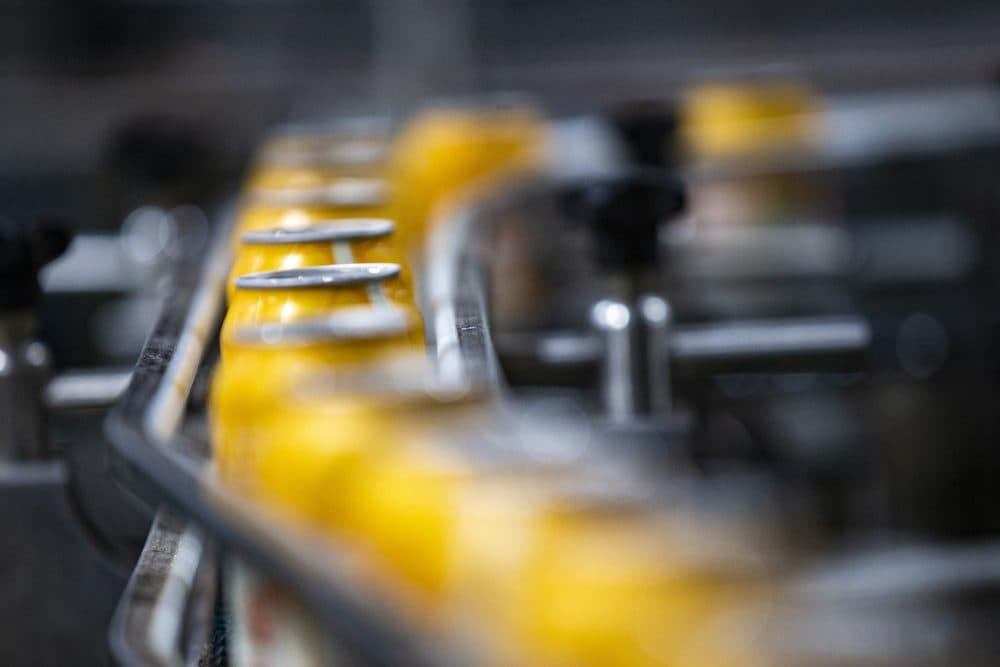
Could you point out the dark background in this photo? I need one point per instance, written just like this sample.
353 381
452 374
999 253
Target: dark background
74 73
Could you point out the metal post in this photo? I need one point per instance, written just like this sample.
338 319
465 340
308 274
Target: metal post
613 320
657 318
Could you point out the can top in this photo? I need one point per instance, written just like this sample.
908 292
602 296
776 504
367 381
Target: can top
341 192
347 229
330 154
328 275
347 324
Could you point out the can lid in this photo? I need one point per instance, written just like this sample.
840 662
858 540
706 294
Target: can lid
328 275
347 153
347 229
348 324
341 192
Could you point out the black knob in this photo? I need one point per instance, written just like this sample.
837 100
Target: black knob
624 214
25 247
648 130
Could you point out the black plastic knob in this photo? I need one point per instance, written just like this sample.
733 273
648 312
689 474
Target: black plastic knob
648 130
624 214
25 247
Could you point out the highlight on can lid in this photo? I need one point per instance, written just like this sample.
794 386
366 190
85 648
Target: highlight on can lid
318 276
330 153
346 229
342 192
330 143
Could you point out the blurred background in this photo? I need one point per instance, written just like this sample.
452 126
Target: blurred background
78 75
132 122
110 105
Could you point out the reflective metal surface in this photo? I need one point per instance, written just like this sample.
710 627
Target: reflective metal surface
344 229
318 276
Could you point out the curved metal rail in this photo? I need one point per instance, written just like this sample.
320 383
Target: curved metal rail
156 459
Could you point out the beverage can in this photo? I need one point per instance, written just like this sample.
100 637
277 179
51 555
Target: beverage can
346 241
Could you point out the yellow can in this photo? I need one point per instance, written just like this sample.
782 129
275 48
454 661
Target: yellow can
407 502
316 160
302 207
308 463
731 120
381 468
452 516
287 296
347 241
444 151
264 364
630 586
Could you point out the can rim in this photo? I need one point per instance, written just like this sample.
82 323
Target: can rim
348 324
326 275
348 153
344 191
345 229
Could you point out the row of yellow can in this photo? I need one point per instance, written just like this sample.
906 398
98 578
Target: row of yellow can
330 225
320 410
531 561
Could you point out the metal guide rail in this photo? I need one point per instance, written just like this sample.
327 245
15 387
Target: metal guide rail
165 464
167 608
163 457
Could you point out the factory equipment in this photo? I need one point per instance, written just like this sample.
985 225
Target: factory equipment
684 354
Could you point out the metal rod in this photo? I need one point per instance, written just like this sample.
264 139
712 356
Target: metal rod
781 344
657 318
613 322
776 338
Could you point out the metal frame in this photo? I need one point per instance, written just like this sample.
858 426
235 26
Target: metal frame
155 459
151 460
152 457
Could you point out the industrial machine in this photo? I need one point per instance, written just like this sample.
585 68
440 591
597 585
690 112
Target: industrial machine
691 368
